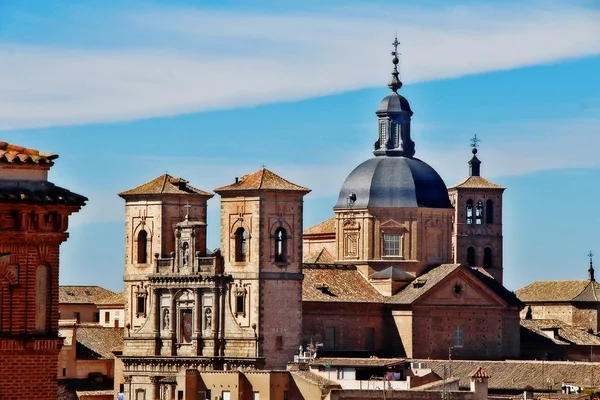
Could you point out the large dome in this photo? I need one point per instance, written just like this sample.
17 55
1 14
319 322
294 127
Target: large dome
385 182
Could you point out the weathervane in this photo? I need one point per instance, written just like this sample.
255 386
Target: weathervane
591 270
475 141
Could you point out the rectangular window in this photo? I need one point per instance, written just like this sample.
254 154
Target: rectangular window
369 338
329 342
459 340
106 317
77 316
185 336
226 395
285 395
180 395
96 317
141 305
391 244
345 373
255 396
208 395
240 304
278 342
64 372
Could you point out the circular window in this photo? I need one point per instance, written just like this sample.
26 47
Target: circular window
457 289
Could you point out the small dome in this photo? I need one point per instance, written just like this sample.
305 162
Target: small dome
394 182
394 103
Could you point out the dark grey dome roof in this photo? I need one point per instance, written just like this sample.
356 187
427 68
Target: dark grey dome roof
392 103
394 182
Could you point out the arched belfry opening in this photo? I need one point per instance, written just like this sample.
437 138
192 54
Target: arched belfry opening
241 244
280 245
142 247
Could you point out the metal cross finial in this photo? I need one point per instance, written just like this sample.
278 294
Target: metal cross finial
590 255
395 43
475 141
263 166
187 210
395 82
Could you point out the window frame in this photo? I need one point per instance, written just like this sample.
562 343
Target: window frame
142 247
387 249
479 213
280 254
471 261
459 337
241 245
469 217
489 211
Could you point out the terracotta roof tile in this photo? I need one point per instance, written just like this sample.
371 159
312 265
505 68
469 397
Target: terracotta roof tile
13 154
358 362
38 192
327 226
96 342
516 375
479 372
82 294
116 299
263 179
319 257
559 291
566 334
476 182
337 283
317 379
165 184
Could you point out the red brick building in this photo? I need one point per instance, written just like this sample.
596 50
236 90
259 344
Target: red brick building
34 216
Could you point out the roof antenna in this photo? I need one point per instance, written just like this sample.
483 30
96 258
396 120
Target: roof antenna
395 83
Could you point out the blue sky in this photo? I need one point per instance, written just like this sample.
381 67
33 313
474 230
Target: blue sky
126 91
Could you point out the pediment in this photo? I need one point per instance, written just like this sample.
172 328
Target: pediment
461 289
390 223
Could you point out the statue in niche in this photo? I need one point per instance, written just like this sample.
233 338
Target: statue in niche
208 318
186 253
166 318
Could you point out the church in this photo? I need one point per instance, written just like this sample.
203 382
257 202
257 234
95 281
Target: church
407 267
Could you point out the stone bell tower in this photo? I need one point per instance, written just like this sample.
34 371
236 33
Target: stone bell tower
261 242
34 217
477 235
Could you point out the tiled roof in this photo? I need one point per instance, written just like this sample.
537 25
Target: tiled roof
516 375
567 334
325 227
319 257
10 153
358 362
37 192
316 379
117 299
337 283
422 284
82 294
165 184
263 179
476 182
560 291
96 342
432 277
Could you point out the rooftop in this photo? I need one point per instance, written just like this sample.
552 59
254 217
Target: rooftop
82 294
38 192
263 179
565 333
476 182
319 257
325 227
337 283
97 342
117 299
165 184
13 154
358 362
560 291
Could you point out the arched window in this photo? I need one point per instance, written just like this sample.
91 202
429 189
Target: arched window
41 299
142 247
489 212
479 213
280 245
469 211
241 238
471 256
487 258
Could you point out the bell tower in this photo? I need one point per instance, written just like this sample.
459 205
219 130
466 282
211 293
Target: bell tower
477 239
261 243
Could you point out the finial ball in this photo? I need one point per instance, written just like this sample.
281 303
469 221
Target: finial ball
474 151
395 60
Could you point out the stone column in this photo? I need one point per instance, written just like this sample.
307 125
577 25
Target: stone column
172 318
198 321
216 321
222 321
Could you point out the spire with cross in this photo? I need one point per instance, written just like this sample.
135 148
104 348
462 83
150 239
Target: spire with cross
591 270
187 210
395 83
474 163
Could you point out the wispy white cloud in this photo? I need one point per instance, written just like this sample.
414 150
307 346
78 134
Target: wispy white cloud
196 60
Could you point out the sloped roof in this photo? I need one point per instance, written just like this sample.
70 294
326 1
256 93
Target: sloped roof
433 276
325 227
479 372
319 257
82 294
392 273
567 334
316 379
96 342
358 362
516 375
165 184
263 179
337 283
13 154
117 299
476 182
38 192
560 291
